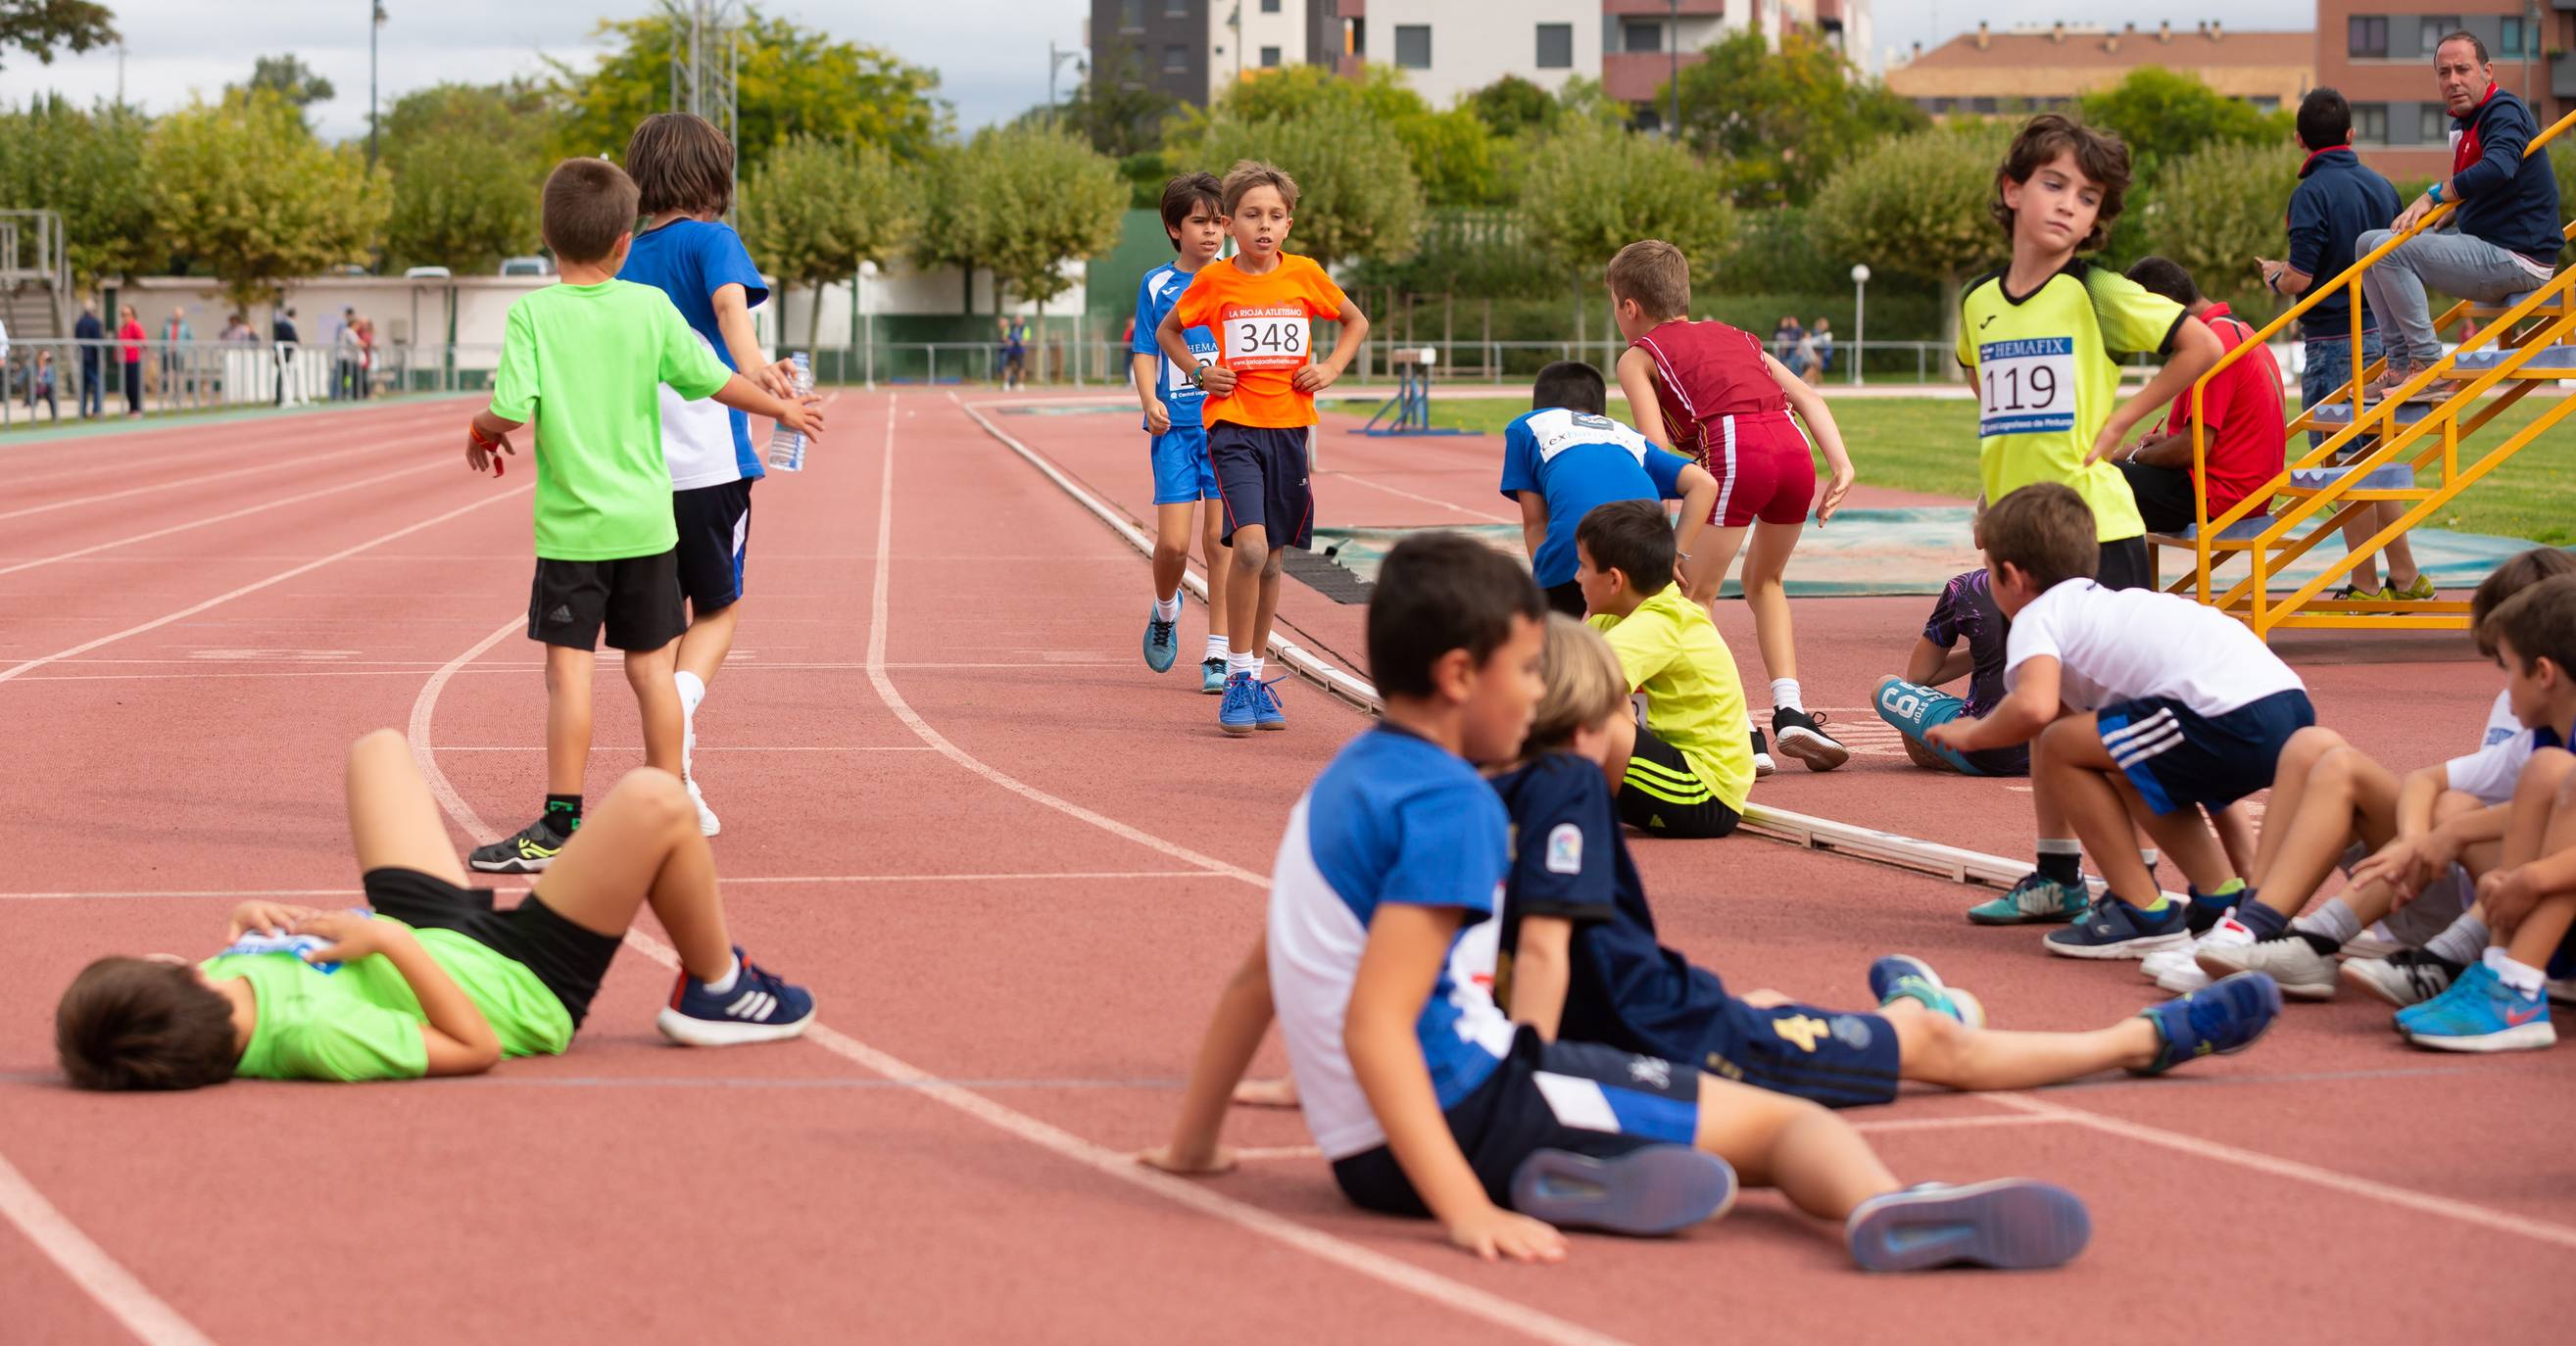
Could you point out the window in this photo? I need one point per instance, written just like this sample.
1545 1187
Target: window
1413 46
2266 104
2432 28
1131 16
1556 46
1641 37
1176 60
1269 58
1176 9
2432 123
2370 123
2366 37
1985 106
2514 39
1270 7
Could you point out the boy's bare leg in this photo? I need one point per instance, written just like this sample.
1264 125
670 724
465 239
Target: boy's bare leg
567 718
1765 562
2235 837
1705 572
1623 746
2069 761
649 673
1247 627
708 640
1267 608
393 822
2346 795
1815 1158
642 845
1220 567
2289 786
1934 1048
1171 547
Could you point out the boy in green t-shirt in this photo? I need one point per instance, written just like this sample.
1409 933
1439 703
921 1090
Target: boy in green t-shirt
435 982
1686 770
585 359
2040 335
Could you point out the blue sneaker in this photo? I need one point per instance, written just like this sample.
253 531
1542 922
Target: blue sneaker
2114 929
2478 974
1265 712
1212 675
1902 976
1654 1190
2482 1014
1242 705
759 1008
2035 900
2222 1017
2011 1224
1162 643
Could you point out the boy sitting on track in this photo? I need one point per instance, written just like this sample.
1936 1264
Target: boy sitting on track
436 982
1565 456
1687 771
683 170
1260 411
2130 697
2039 334
1707 390
586 358
1915 702
1579 958
1426 1099
2422 842
1176 441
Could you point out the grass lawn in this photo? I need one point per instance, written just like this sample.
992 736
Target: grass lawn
1929 445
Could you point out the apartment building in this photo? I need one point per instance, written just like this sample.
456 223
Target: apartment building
2042 66
2381 57
1192 49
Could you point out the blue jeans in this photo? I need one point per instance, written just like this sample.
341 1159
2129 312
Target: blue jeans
2328 367
2454 263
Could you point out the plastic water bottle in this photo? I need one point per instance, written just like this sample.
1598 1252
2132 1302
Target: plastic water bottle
786 443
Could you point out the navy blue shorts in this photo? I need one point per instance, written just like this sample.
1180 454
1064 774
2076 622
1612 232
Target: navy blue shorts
715 535
1261 475
1571 1096
2179 759
1834 1057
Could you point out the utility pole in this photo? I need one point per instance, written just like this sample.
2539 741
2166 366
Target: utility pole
1673 39
375 22
703 39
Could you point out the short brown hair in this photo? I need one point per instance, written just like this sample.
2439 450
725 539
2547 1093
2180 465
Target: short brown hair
1632 537
587 204
1186 190
1655 274
133 1023
2100 155
1585 685
681 162
2046 530
2540 622
1248 174
2520 571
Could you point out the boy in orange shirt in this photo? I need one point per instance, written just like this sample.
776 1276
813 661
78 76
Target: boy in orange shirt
1259 410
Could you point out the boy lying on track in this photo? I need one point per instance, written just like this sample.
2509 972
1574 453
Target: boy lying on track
434 981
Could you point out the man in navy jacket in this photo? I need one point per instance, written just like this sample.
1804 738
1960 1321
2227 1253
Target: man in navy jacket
2507 237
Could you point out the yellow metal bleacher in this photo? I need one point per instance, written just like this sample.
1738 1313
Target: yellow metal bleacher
2378 452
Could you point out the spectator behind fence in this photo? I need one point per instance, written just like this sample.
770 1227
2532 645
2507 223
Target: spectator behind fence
237 332
281 332
1785 339
130 338
2242 407
176 335
1821 336
88 331
40 384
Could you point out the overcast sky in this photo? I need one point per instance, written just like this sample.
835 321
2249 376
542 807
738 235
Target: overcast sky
991 55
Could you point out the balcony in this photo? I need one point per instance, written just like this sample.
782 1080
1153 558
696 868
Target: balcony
1633 76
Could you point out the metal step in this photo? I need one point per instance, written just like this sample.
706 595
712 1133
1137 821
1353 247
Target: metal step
2558 305
2340 412
2549 362
2390 481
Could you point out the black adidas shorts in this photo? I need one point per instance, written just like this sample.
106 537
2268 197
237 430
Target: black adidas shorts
567 959
1662 797
636 598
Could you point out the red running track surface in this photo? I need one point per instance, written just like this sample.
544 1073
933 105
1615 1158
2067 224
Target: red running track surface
1015 868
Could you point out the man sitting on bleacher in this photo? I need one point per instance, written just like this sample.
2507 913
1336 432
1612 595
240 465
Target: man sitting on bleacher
2507 235
2242 406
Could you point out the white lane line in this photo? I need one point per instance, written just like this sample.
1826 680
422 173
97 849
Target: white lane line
300 464
425 706
98 1275
261 508
708 747
2404 1198
21 669
731 881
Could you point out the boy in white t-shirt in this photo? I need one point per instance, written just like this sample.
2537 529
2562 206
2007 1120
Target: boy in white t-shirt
2137 704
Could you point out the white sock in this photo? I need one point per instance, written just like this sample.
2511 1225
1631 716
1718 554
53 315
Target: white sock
2521 977
1784 695
1239 661
720 985
1168 609
2465 942
1259 667
692 691
2147 856
1215 649
2334 920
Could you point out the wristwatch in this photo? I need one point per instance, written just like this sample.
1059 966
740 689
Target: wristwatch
1198 377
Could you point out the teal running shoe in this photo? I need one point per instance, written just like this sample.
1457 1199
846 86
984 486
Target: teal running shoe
1902 976
1212 676
1162 643
1241 708
2036 900
2481 1014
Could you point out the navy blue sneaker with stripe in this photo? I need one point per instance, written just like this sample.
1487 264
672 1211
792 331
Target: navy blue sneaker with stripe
758 1007
1657 1189
2222 1017
2114 929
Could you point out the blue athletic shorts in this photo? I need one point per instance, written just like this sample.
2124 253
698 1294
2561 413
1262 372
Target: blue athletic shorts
1261 477
2178 759
1182 475
1834 1057
1914 708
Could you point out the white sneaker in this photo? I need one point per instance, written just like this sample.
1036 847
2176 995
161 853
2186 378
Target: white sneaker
2178 971
707 824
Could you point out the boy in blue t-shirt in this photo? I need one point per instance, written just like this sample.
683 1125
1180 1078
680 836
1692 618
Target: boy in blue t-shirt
1566 456
1424 1097
683 171
1194 217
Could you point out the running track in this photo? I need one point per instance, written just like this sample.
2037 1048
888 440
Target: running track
1014 868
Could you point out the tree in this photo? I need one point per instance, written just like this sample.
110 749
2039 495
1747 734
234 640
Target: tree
789 81
1916 206
467 163
1357 198
1020 202
89 166
1452 153
290 80
36 27
242 187
2163 116
1593 190
2218 208
1783 120
814 211
1513 106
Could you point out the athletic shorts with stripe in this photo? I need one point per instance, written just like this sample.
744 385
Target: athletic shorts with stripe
1572 1096
1261 479
1182 475
715 537
1660 794
1763 467
1914 709
2178 758
1834 1057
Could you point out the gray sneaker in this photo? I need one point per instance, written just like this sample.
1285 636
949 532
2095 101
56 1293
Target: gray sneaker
2304 973
2407 977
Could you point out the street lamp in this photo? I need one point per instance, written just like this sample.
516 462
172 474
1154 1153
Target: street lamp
1860 320
1056 57
867 315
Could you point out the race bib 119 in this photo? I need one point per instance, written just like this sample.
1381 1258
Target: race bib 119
1265 336
2026 387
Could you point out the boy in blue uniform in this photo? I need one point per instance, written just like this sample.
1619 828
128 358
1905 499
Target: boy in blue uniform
1565 456
683 171
1194 217
1424 1097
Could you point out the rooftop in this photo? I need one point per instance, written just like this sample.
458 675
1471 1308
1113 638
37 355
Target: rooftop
2063 45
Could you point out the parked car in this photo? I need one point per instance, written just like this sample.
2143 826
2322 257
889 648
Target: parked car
528 266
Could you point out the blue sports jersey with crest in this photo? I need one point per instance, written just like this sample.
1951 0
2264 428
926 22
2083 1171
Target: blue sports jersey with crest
1155 296
1578 461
